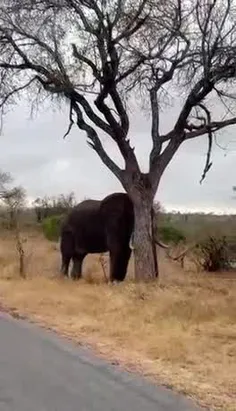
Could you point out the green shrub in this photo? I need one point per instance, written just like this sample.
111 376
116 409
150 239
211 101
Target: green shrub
213 254
51 227
170 234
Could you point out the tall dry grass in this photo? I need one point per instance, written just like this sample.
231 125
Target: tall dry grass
180 331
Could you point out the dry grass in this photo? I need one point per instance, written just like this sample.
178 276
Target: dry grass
180 332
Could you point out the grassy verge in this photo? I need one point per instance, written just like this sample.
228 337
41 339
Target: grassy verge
180 332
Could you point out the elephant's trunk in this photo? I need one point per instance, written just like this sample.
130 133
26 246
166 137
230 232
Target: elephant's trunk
131 241
158 242
162 245
155 240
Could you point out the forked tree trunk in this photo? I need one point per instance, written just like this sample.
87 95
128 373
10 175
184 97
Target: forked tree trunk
146 267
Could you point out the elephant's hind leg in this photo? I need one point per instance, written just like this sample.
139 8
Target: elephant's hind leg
76 272
65 265
67 250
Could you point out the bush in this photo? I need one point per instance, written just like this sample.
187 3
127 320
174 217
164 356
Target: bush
51 227
213 253
170 234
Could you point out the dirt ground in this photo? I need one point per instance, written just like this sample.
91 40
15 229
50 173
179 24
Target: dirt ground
180 331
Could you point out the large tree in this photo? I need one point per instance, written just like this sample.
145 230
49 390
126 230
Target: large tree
98 54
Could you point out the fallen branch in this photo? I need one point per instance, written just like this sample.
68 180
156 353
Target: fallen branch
21 253
182 255
103 265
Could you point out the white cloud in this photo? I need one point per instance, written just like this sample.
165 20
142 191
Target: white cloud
61 165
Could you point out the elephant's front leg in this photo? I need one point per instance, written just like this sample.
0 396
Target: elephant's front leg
76 271
119 260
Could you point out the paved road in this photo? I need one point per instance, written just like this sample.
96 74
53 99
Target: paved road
41 372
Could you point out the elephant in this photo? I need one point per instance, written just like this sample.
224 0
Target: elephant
95 226
98 226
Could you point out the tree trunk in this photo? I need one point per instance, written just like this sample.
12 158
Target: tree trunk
146 267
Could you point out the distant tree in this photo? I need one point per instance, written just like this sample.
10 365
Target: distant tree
37 204
234 190
65 201
42 207
98 55
48 206
14 200
5 180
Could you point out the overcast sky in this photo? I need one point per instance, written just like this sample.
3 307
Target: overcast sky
34 151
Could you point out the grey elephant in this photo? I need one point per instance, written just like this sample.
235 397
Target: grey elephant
96 227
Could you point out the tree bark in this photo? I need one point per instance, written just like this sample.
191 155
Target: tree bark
146 266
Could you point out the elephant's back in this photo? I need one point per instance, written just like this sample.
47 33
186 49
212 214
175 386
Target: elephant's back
83 214
87 207
118 202
85 223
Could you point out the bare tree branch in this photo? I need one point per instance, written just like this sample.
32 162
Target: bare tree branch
83 58
71 121
125 49
17 90
27 63
157 143
95 142
134 24
214 126
210 140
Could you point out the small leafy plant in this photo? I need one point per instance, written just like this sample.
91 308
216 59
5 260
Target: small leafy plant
213 254
170 234
51 227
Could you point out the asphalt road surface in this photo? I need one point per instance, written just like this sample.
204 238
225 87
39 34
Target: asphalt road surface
40 371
